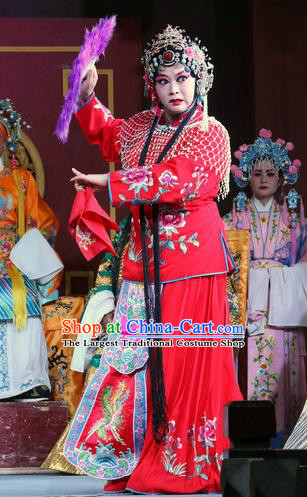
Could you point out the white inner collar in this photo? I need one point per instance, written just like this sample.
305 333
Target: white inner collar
260 207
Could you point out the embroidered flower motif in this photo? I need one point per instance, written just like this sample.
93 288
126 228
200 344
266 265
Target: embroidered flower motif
198 172
265 380
6 246
168 179
170 220
191 432
85 238
187 189
190 191
32 222
207 431
171 425
169 456
6 203
191 435
138 178
262 390
177 443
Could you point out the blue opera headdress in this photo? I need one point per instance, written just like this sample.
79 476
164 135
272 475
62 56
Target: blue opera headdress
264 148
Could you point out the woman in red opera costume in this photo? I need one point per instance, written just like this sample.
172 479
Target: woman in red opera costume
150 420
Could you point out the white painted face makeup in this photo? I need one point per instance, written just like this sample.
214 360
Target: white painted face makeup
175 88
264 181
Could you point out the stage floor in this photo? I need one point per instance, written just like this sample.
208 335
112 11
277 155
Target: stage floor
54 485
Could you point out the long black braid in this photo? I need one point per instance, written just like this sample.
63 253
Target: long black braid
153 305
120 248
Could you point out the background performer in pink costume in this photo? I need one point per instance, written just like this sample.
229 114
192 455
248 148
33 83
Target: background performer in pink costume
278 276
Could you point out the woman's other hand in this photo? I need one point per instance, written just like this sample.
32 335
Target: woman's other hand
81 180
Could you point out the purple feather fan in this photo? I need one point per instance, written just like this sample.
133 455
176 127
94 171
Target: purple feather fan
95 43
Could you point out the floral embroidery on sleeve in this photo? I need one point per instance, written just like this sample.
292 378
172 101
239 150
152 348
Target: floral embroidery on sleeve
190 191
139 178
167 180
142 178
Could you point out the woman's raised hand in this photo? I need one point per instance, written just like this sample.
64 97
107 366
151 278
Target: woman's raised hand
81 180
88 83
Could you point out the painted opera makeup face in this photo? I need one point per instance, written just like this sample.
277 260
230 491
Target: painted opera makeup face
175 88
264 181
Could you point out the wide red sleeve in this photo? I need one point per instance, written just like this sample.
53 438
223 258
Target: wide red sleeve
101 128
178 180
174 181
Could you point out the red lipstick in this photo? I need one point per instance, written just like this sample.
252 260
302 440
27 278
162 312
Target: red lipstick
176 102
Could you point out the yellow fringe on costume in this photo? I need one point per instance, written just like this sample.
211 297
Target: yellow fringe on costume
19 295
21 205
19 292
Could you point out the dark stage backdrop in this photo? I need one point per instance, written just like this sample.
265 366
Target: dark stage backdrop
35 55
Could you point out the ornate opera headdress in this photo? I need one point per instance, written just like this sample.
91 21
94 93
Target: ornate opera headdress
10 123
264 148
171 47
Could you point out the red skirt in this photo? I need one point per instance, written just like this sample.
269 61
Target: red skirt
199 381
